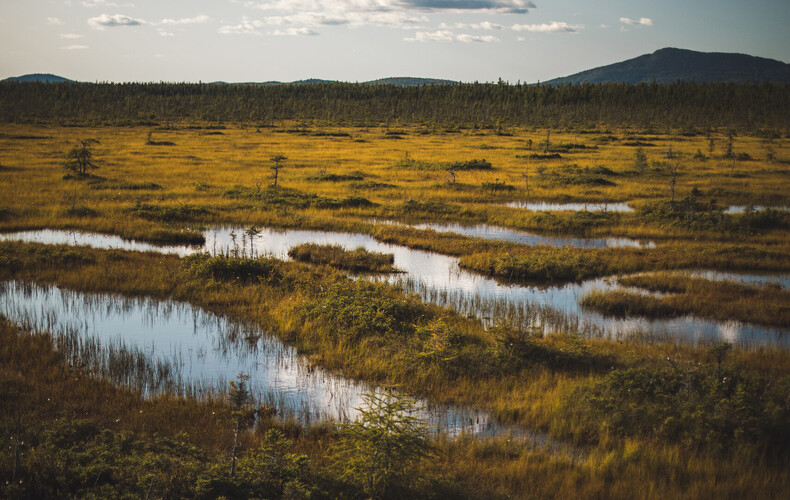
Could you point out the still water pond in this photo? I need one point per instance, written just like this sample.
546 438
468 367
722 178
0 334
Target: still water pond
438 279
543 206
513 236
739 209
159 346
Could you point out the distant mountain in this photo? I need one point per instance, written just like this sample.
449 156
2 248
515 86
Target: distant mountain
38 77
670 65
402 81
406 81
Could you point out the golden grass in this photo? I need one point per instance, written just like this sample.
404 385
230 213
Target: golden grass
534 396
185 185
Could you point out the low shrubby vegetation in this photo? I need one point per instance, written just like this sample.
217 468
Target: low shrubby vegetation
686 295
701 404
547 264
357 260
286 197
695 214
642 417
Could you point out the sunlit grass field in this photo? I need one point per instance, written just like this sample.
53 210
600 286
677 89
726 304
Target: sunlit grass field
394 166
637 419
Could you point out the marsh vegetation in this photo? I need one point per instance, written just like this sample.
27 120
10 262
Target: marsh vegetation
583 286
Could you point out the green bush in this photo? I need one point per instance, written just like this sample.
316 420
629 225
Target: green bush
359 310
225 268
470 165
162 213
707 406
358 260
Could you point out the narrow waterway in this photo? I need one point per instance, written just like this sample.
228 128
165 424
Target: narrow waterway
166 346
438 279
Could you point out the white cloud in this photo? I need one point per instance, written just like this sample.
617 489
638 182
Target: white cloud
552 27
503 6
54 21
476 38
485 25
245 27
310 18
295 32
644 21
74 47
101 3
187 20
404 14
388 19
70 36
434 36
389 5
449 36
108 21
166 33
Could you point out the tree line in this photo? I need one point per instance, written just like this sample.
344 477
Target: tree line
681 105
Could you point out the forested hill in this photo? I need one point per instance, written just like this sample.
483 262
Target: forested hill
407 81
671 65
678 105
38 77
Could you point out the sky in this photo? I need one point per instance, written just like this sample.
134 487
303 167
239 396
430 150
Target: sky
361 40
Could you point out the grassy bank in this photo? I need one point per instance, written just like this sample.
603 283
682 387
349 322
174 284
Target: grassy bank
373 332
358 260
719 300
544 264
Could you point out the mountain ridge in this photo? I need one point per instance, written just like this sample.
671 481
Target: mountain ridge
401 81
38 77
669 65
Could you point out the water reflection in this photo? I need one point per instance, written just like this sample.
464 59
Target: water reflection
542 206
190 350
739 209
503 234
438 279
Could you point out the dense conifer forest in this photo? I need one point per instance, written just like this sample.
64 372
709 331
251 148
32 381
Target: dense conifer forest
686 106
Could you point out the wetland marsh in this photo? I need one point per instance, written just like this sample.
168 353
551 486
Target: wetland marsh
594 316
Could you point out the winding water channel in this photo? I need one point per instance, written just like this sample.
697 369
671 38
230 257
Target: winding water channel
544 206
438 279
158 346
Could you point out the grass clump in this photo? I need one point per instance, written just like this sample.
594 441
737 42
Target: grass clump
337 177
79 211
347 202
540 264
100 183
547 264
718 300
470 165
497 186
162 213
574 222
574 175
227 268
693 213
712 406
364 312
518 349
287 197
569 147
7 213
357 260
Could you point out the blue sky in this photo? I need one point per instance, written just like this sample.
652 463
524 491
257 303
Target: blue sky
359 40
